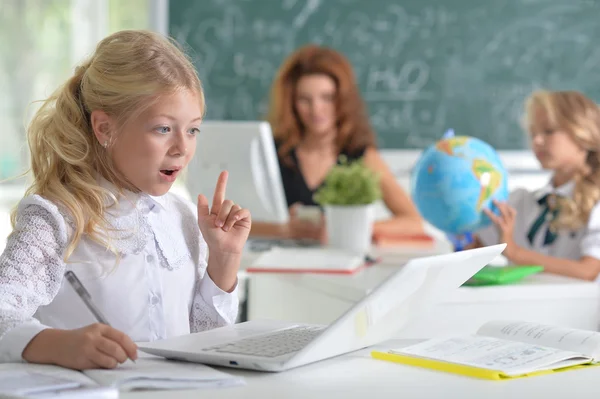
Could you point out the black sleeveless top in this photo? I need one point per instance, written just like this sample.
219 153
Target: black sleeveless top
294 185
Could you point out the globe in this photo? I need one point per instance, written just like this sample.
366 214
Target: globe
454 180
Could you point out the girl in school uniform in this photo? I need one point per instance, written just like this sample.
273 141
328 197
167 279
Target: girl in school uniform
317 114
557 226
105 150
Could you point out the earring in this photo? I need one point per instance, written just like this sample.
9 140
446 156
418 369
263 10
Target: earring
105 145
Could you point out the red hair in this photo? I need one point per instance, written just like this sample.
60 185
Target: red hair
354 130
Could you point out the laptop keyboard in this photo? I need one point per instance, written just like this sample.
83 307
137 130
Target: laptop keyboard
273 344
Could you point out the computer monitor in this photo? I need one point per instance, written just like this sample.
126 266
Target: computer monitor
247 150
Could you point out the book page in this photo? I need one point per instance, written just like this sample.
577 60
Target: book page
581 341
511 358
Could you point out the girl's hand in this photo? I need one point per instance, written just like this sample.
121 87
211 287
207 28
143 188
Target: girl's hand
225 226
91 347
506 227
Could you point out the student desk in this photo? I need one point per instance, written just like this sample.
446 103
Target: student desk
357 376
320 299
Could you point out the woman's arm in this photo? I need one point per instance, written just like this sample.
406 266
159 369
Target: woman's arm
406 218
294 229
270 230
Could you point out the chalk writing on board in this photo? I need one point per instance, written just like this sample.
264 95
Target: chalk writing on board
421 65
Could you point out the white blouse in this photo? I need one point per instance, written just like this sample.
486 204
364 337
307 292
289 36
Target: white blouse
584 241
157 288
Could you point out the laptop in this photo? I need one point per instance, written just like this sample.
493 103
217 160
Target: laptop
268 345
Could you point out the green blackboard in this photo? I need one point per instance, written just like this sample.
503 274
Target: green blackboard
423 65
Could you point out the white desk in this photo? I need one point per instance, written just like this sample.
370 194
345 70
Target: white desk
321 299
357 376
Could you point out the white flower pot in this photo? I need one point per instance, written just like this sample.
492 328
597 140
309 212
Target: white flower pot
350 227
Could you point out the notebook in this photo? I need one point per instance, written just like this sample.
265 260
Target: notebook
503 350
493 275
23 383
308 260
35 380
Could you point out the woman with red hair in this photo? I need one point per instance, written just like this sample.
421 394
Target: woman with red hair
317 114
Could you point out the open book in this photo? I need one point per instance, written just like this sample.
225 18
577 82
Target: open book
503 349
35 380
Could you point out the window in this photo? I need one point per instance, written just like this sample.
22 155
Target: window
41 41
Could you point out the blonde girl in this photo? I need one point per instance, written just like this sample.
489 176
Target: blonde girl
105 149
557 226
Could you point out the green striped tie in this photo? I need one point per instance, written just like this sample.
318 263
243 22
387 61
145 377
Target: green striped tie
548 203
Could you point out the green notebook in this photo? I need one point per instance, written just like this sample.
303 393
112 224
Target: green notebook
492 275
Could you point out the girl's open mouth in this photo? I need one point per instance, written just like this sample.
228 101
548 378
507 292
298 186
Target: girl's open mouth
169 174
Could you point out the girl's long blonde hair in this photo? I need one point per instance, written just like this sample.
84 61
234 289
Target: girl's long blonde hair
128 71
578 116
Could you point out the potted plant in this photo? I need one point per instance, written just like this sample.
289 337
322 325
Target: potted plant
347 196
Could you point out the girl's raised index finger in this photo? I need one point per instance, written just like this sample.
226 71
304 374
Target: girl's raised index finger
219 195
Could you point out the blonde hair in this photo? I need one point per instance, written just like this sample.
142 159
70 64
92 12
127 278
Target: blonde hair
579 117
127 73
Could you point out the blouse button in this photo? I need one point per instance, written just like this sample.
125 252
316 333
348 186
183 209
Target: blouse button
150 258
155 300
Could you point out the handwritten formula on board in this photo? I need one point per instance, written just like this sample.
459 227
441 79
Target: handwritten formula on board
422 65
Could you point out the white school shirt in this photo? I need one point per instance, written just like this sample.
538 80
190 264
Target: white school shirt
568 244
159 288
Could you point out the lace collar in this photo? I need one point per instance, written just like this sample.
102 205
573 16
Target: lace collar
129 218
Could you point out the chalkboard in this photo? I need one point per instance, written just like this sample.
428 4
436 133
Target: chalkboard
423 65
